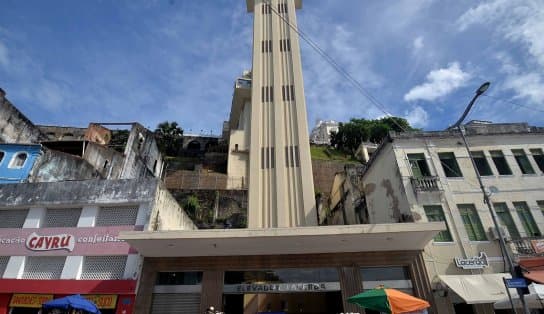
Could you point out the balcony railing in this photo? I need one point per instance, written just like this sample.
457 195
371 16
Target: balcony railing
527 247
425 184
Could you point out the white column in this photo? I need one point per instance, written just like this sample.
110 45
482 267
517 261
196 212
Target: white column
88 216
133 266
34 218
72 267
15 267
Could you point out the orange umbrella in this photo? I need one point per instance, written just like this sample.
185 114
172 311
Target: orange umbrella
389 301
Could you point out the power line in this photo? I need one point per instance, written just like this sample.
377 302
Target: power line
373 100
513 103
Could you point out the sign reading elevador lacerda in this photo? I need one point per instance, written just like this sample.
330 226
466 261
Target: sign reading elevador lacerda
282 287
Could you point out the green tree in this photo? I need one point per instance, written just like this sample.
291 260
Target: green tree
169 137
351 134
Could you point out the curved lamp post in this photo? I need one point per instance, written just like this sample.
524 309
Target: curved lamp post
502 243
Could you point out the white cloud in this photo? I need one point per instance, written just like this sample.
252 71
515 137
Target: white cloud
4 57
418 44
439 83
520 21
417 117
530 85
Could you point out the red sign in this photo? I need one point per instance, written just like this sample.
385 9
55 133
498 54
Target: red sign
36 242
64 241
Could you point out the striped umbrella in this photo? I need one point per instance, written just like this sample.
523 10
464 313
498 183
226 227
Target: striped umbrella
388 301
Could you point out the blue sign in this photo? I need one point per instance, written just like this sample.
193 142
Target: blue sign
516 283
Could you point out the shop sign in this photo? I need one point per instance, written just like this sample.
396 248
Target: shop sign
538 245
282 287
29 300
64 241
103 301
37 242
476 262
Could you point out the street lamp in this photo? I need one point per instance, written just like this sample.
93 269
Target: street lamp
502 243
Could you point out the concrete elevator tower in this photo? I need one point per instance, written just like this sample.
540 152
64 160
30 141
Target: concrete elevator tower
281 190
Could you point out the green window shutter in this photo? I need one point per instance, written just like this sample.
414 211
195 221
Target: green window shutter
538 156
472 222
435 213
527 219
523 162
506 219
449 164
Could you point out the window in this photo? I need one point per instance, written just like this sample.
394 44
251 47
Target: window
268 159
13 218
435 213
43 267
523 161
418 165
288 92
481 163
527 219
285 44
538 156
117 216
1 156
472 222
449 164
103 267
266 46
541 206
506 219
18 161
292 156
500 162
61 217
265 9
267 93
282 7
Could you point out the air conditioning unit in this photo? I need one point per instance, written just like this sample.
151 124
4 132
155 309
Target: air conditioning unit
495 236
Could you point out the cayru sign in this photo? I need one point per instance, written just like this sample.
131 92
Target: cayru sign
37 242
476 262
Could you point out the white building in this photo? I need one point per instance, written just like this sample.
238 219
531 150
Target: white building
321 133
428 176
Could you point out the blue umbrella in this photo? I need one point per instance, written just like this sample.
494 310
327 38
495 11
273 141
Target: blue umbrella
76 302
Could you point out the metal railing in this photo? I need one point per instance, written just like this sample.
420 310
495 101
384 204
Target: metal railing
527 247
425 184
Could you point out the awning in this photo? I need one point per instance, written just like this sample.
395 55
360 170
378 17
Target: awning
533 301
475 289
533 269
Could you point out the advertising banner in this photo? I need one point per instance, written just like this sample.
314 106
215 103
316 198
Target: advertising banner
29 300
64 241
103 301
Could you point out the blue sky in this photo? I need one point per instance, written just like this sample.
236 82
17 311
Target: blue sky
73 62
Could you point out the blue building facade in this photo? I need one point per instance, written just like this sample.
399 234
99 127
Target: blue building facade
16 161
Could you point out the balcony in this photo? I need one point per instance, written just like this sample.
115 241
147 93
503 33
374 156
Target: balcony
425 184
527 247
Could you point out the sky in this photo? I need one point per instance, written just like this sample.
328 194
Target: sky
69 62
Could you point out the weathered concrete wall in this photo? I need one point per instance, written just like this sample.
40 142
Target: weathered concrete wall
58 166
323 174
109 192
14 126
62 133
142 156
107 161
384 189
98 134
167 214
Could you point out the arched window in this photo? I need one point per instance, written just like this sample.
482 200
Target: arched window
18 161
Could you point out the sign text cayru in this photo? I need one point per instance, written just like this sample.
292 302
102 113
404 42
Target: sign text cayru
29 300
37 242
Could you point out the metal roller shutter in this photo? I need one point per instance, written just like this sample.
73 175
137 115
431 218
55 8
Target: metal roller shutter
175 303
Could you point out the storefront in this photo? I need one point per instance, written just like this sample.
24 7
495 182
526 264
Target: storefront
41 264
294 270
